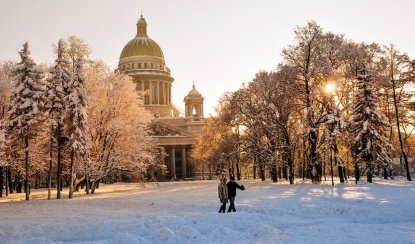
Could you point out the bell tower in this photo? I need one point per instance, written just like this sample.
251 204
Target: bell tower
194 104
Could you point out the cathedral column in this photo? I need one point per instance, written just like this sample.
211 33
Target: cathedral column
161 92
170 94
165 93
184 162
157 93
150 92
173 163
154 92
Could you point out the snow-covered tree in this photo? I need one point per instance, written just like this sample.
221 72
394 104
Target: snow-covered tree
56 89
24 112
334 123
118 125
76 120
264 108
368 126
6 85
205 153
396 67
77 49
312 65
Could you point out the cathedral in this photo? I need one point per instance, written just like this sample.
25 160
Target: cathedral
143 60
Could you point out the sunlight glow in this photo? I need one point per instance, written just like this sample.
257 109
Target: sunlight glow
330 87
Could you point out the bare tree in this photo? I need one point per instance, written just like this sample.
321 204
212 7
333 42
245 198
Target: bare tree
396 65
308 59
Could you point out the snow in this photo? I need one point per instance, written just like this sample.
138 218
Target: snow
186 212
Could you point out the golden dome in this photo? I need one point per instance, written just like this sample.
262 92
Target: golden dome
141 45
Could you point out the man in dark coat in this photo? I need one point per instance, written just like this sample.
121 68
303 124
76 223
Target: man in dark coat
232 185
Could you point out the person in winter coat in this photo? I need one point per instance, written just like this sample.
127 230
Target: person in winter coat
232 185
223 194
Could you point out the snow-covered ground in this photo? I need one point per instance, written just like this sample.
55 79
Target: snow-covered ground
186 212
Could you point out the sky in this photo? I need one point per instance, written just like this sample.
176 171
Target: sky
187 213
217 44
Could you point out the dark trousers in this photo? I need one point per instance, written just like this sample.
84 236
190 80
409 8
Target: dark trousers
232 204
222 208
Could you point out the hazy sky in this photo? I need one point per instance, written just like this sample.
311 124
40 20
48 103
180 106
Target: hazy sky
219 44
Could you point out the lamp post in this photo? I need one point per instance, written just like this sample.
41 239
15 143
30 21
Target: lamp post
330 87
331 165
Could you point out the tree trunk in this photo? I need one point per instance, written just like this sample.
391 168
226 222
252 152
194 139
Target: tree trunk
291 170
18 183
346 173
304 159
274 172
331 167
254 168
37 180
210 171
78 183
385 173
341 175
95 185
279 173
27 167
284 172
392 174
203 171
408 174
71 181
356 173
338 161
369 176
50 169
9 180
59 166
87 187
1 180
324 166
230 167
261 171
369 169
238 171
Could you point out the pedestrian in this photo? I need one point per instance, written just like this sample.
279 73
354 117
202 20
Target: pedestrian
232 185
223 194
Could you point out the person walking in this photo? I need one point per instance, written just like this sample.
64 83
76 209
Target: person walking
232 185
223 194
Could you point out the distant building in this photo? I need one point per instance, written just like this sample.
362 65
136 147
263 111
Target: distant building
143 59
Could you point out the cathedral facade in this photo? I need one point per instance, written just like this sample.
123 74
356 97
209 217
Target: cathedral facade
143 60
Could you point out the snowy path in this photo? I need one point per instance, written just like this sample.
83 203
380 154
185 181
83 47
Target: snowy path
186 212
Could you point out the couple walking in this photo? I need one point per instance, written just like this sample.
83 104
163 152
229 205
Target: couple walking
228 191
